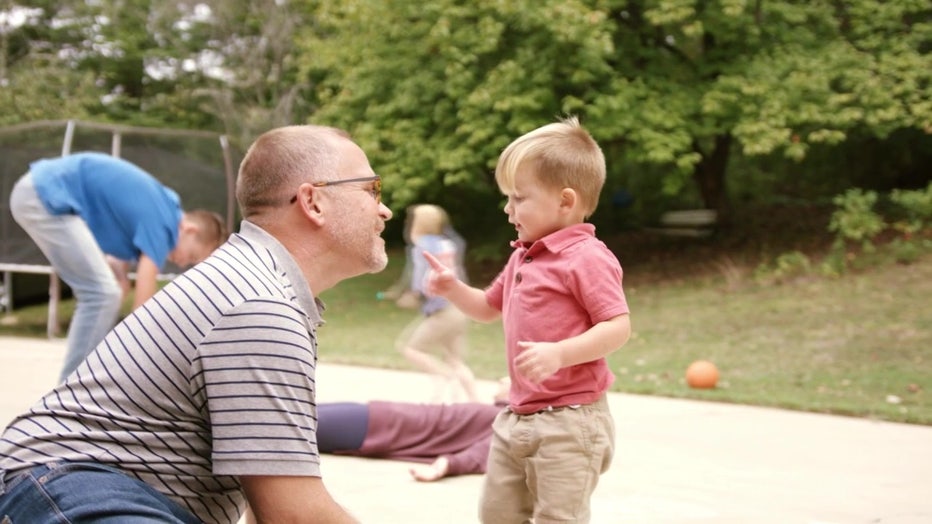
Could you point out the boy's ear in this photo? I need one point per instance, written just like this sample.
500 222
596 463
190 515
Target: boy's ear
568 198
189 226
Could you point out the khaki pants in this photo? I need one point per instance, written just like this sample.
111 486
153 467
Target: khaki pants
546 465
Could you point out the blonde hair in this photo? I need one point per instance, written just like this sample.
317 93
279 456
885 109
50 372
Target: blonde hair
280 160
562 154
427 219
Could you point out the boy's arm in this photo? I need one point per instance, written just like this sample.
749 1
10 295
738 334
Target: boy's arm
146 273
120 270
539 360
470 300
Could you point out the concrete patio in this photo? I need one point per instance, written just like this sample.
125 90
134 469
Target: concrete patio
677 461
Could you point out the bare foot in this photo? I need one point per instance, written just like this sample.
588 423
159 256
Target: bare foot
432 472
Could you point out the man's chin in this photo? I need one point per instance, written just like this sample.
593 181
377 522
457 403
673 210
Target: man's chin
379 263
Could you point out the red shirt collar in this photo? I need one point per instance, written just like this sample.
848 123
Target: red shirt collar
558 240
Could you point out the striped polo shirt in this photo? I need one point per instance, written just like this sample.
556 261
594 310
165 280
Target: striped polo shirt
211 379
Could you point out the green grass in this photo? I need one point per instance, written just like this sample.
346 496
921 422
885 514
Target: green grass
850 345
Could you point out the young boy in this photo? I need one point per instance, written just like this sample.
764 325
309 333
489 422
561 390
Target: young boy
91 215
563 310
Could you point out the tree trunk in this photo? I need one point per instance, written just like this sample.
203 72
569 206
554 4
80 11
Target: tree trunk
709 175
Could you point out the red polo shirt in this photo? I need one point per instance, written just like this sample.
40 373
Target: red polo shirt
551 290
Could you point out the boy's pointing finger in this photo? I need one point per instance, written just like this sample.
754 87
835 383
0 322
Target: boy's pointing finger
435 264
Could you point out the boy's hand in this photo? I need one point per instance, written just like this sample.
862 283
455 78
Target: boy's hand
538 360
441 279
120 270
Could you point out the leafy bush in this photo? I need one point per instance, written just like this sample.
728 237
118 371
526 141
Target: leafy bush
917 207
787 266
855 219
905 251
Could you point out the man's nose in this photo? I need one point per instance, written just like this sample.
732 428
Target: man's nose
385 211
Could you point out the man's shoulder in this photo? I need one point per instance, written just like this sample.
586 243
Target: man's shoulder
234 272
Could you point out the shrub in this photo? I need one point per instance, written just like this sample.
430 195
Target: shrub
917 208
787 266
855 220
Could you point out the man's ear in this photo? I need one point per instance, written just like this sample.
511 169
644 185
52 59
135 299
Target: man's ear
311 202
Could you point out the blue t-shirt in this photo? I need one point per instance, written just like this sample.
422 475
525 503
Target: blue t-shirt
127 210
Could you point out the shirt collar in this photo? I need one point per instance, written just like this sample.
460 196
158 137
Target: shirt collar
286 263
560 239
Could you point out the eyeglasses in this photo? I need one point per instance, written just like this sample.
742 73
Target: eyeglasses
375 190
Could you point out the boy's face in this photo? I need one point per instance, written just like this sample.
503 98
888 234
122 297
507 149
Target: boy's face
535 210
189 250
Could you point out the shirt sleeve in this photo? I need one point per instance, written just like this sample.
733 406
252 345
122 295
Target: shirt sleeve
596 282
256 370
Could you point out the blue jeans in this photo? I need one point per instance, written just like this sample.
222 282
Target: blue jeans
70 247
64 493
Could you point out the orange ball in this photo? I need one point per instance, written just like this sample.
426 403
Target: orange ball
702 374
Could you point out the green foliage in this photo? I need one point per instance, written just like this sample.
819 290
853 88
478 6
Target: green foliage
855 220
906 251
917 206
835 264
37 79
788 266
441 87
690 100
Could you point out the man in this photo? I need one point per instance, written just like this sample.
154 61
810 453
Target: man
204 398
92 214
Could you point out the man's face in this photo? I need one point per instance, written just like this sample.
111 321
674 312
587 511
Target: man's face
358 218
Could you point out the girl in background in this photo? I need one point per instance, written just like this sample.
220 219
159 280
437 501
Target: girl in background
441 326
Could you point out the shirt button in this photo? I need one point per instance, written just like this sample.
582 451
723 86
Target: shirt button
527 260
518 278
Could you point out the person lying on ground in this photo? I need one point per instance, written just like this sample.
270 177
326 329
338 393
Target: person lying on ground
446 439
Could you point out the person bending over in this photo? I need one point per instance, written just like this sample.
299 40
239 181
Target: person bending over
92 215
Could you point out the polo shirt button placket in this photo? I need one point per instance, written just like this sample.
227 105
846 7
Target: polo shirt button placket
527 260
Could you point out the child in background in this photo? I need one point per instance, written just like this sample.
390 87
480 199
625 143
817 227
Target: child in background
400 291
441 325
563 310
81 209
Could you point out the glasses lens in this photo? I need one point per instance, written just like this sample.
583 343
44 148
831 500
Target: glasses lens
378 190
